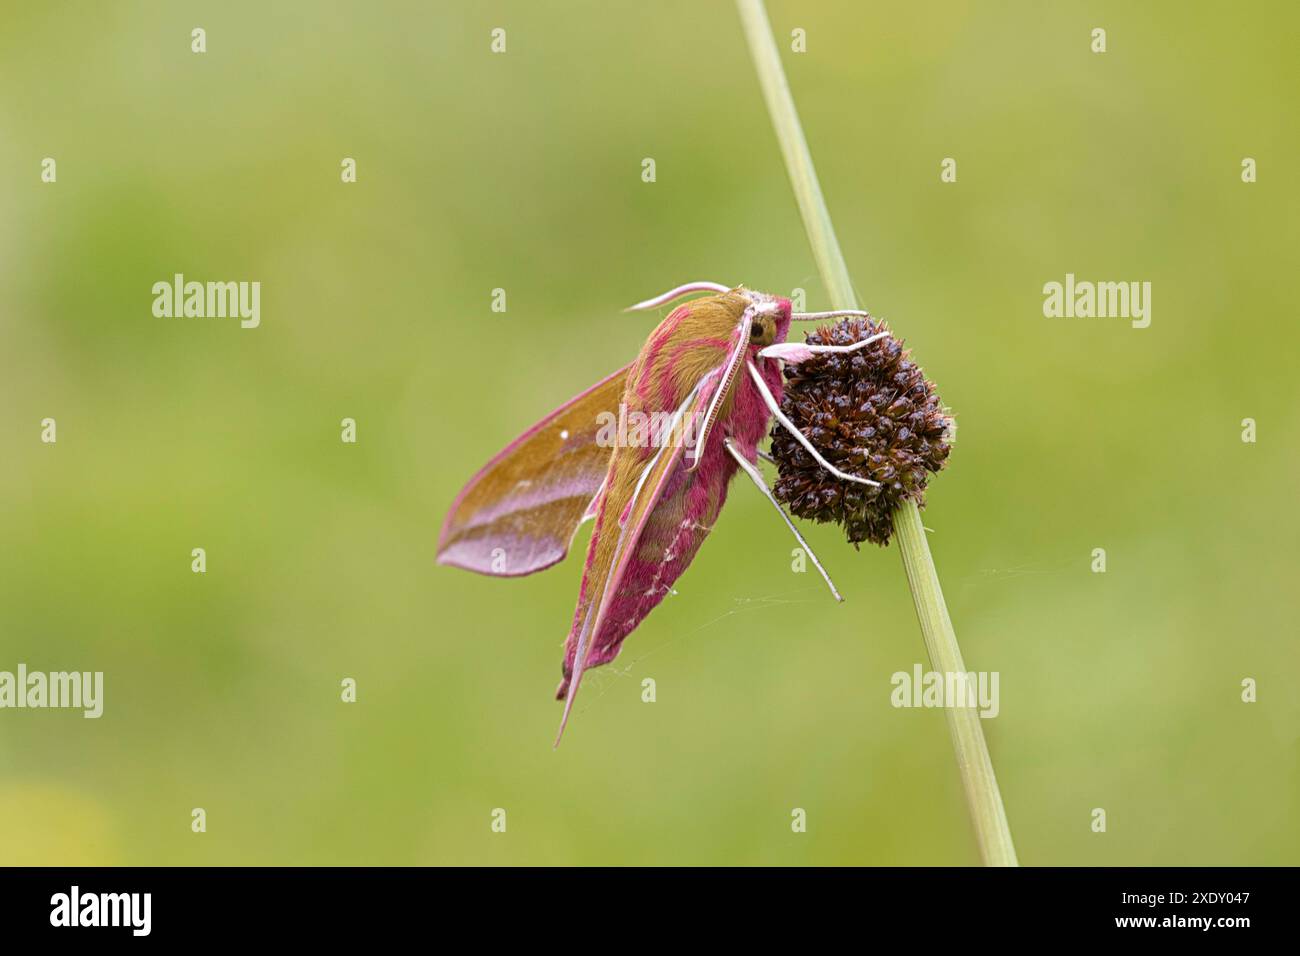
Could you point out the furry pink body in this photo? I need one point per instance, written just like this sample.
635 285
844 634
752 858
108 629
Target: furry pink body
685 512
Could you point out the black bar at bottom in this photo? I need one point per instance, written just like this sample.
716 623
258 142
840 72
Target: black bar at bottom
211 905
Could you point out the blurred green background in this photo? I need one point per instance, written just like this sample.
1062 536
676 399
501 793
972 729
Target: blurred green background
523 171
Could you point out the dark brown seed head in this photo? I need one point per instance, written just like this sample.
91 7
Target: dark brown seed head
870 413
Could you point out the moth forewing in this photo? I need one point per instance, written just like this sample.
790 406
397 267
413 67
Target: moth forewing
519 513
729 373
632 522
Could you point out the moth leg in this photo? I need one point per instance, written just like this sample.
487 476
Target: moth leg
799 436
766 457
748 467
678 292
819 316
795 352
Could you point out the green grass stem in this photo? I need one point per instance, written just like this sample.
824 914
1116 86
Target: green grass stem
976 768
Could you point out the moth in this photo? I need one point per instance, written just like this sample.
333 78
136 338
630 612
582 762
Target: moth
701 395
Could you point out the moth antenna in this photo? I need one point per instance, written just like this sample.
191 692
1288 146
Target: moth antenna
799 436
757 478
677 293
818 316
795 352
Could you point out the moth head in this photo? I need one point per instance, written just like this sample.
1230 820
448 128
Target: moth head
770 318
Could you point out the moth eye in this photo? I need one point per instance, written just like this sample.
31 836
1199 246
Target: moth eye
756 331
